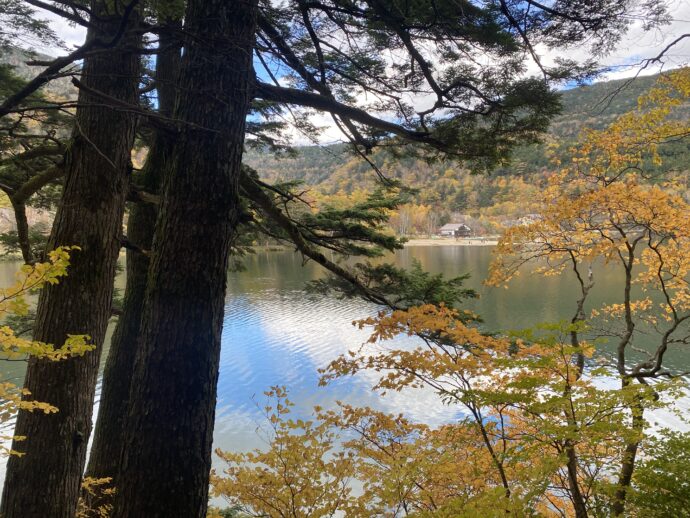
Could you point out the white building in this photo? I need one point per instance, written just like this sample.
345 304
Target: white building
455 230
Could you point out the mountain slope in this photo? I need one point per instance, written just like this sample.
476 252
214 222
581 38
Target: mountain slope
333 168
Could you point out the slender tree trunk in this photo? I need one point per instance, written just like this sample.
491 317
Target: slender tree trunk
45 481
117 376
23 231
579 503
169 429
574 482
629 457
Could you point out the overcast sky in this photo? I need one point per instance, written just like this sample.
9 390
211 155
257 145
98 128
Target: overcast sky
636 46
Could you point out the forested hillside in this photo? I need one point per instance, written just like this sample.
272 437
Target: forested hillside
446 190
27 64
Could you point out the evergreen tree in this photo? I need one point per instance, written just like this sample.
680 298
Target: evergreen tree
117 375
167 445
46 480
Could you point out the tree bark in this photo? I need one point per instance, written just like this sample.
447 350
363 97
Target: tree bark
629 455
169 429
23 231
576 496
117 376
46 480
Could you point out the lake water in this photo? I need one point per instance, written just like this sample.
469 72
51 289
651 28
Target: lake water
275 335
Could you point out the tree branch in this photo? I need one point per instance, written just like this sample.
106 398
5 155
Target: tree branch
320 102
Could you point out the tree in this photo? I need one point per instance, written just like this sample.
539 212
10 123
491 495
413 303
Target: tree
302 474
176 364
660 486
520 396
541 428
527 407
113 408
32 160
13 303
600 209
97 167
13 307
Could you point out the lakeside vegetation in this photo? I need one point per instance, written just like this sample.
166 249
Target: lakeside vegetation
169 140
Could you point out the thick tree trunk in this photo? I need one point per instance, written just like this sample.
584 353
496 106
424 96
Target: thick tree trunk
45 481
169 429
117 376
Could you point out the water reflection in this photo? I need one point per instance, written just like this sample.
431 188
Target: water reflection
275 335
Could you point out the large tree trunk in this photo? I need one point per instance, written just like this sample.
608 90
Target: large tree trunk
169 429
45 481
117 376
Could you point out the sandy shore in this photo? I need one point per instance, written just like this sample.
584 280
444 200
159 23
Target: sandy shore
463 241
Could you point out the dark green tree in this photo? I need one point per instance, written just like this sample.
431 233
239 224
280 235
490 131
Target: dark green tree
46 480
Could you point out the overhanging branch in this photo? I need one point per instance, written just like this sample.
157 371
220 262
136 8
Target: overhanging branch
319 102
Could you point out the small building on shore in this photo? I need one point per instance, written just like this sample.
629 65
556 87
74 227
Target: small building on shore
455 230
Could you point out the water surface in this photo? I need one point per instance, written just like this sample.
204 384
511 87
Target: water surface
274 334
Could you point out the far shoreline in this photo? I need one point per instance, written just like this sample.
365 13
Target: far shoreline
462 241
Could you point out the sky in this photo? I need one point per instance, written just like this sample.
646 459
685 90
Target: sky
636 46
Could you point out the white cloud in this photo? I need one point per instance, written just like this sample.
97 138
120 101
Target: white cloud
72 35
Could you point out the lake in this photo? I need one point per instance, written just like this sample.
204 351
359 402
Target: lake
276 335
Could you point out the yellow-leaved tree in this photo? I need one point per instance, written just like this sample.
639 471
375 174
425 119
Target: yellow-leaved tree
552 423
604 207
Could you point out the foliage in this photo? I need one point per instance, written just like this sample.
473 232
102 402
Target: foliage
599 209
353 228
446 189
13 301
9 241
227 512
544 431
526 407
300 475
31 156
96 495
661 485
398 287
19 24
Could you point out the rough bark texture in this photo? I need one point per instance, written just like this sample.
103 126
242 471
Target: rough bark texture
117 376
576 496
45 481
169 430
23 231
